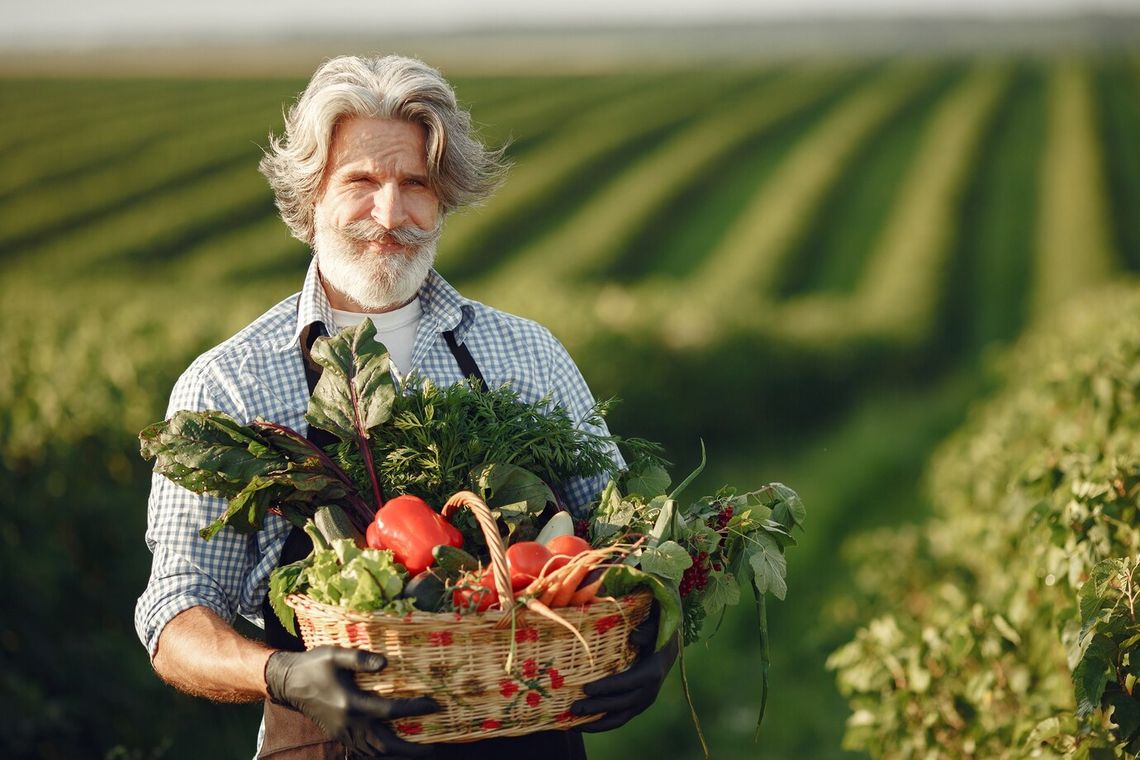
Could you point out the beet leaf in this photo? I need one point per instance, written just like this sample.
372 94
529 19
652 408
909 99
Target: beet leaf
255 467
355 392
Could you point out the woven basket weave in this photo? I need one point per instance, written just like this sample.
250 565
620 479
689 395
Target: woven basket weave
492 675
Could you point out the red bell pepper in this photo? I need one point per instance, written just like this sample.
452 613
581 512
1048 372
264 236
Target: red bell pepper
411 529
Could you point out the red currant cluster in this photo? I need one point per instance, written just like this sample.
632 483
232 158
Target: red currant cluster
696 577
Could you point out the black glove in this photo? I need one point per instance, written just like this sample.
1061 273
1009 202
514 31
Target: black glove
627 694
319 683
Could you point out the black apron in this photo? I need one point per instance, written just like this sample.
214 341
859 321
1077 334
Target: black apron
289 735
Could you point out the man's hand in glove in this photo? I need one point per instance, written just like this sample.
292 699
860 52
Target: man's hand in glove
627 694
320 684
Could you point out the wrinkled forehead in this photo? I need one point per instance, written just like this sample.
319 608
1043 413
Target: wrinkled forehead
378 142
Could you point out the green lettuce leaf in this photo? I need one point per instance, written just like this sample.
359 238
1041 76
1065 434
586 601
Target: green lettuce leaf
283 581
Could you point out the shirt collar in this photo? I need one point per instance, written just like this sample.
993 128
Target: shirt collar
443 309
313 305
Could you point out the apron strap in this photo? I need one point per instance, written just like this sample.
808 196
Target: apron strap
464 358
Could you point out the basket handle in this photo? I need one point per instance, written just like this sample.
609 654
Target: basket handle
490 529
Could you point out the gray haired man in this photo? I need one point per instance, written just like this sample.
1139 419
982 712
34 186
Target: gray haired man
375 153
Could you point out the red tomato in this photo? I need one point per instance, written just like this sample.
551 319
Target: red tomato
562 548
526 559
478 594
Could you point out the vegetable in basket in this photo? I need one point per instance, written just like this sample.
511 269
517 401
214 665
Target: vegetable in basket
411 530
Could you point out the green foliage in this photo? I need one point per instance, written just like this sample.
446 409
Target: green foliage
254 467
707 548
356 391
437 436
342 575
1025 574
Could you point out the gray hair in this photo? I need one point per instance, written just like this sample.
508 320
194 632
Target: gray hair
461 170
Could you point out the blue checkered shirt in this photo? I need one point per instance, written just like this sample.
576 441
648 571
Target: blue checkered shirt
259 373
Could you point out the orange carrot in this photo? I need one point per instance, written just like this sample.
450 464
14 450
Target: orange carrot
547 596
588 591
569 585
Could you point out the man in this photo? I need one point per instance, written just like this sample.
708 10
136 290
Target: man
375 153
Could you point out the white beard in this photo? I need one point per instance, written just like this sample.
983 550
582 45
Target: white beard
374 282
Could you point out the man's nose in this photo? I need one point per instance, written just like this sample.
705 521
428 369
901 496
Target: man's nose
388 207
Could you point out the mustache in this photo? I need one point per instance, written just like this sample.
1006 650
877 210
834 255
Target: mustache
366 231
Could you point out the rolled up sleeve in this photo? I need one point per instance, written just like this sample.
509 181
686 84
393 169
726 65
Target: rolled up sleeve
175 586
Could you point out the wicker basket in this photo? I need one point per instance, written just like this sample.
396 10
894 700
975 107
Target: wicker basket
493 673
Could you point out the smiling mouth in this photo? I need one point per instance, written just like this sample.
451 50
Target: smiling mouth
385 246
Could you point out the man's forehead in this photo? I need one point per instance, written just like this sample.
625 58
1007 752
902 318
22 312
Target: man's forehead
365 139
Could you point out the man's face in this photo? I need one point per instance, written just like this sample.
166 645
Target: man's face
376 220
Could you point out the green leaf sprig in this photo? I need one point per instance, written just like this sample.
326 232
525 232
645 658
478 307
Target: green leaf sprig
704 552
437 436
256 467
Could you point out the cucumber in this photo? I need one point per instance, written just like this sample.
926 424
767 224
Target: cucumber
452 562
333 523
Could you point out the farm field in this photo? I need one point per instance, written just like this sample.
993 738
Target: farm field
810 266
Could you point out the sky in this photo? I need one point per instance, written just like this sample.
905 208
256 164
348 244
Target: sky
106 22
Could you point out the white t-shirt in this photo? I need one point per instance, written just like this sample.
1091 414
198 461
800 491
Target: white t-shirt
395 329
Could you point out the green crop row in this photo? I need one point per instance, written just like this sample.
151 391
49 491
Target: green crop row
619 208
159 163
588 240
716 198
1074 244
971 652
507 91
904 271
900 289
51 109
754 250
565 169
152 231
93 138
1117 91
131 157
833 250
529 118
989 281
820 346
